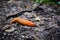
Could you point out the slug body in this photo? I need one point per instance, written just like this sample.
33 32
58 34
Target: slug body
22 21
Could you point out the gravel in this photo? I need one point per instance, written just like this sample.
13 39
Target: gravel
47 25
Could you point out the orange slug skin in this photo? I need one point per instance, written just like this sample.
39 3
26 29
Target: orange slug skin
24 22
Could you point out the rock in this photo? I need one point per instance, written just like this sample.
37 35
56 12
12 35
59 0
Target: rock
34 6
43 7
36 29
48 10
42 28
42 22
28 15
23 36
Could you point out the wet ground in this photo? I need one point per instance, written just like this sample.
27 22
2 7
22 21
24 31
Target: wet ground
46 17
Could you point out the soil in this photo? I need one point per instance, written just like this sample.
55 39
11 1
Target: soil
47 25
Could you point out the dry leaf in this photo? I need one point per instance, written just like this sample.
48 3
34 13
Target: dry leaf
10 30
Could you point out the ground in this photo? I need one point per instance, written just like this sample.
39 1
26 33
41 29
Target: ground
45 16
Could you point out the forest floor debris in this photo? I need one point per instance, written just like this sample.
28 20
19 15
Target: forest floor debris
48 23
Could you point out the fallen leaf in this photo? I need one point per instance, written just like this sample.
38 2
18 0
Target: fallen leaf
10 30
37 18
5 27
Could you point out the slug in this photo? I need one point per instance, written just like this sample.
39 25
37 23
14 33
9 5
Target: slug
23 21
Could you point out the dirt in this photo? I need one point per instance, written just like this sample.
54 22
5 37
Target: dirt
47 25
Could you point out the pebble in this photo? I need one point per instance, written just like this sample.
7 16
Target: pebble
23 36
48 10
5 34
28 15
42 29
37 29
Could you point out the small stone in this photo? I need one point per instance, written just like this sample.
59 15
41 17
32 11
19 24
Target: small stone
48 10
16 32
37 29
28 15
35 5
23 36
4 33
49 27
42 28
42 22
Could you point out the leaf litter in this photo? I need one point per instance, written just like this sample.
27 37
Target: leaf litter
46 14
